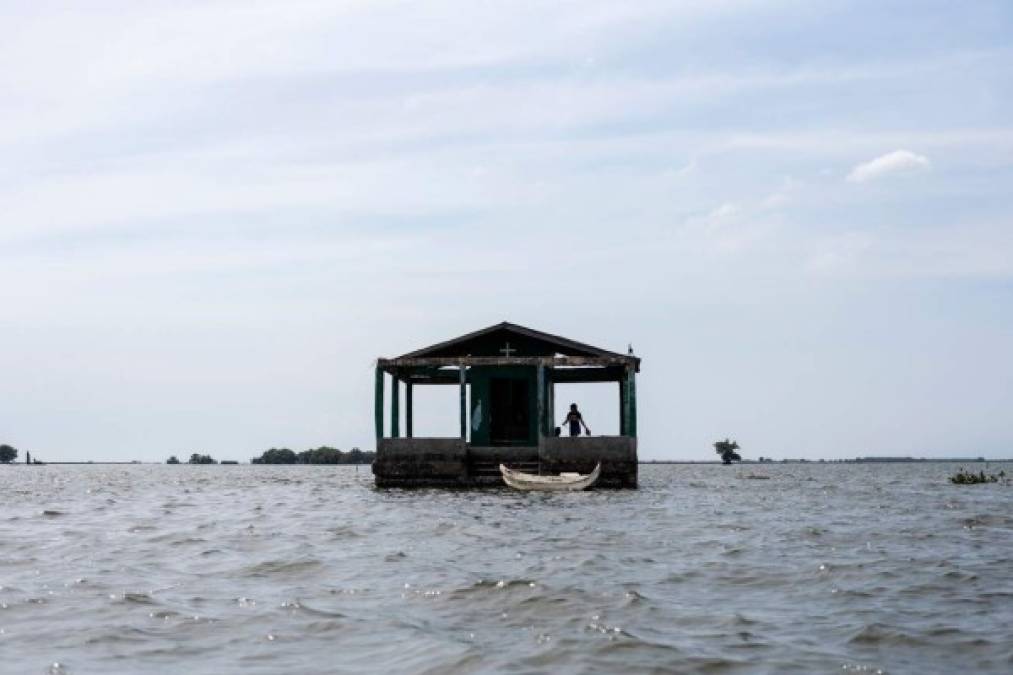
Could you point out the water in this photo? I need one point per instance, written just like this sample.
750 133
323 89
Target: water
843 568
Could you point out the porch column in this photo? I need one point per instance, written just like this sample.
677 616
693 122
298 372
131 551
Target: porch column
629 396
622 405
395 407
408 408
540 408
464 403
551 403
632 424
378 409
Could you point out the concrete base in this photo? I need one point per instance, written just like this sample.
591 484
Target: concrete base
450 462
617 454
418 462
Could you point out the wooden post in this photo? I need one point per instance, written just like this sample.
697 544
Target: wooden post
378 412
540 408
395 407
408 408
464 403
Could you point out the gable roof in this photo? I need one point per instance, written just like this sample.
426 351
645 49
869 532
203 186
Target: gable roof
527 341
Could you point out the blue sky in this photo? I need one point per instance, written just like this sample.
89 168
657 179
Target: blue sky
215 216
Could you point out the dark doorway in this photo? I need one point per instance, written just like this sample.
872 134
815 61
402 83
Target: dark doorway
510 412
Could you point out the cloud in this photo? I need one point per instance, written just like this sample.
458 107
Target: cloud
175 172
726 210
898 161
781 196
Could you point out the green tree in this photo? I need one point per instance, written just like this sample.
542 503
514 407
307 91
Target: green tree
276 456
7 454
172 460
321 455
196 458
727 450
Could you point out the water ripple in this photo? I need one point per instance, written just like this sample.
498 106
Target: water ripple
705 569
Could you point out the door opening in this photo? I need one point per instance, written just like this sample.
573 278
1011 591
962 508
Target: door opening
510 412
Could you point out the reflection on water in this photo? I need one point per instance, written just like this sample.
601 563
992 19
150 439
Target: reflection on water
309 569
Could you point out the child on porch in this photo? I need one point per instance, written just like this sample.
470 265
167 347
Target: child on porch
575 420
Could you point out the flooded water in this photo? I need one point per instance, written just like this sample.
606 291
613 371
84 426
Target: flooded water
820 568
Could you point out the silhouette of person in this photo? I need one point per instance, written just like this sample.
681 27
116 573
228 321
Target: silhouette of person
575 420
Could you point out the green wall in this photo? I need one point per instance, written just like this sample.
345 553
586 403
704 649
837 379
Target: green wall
479 377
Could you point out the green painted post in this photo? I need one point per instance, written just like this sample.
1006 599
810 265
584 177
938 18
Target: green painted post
378 411
632 395
408 408
622 406
550 394
464 403
540 409
629 402
395 407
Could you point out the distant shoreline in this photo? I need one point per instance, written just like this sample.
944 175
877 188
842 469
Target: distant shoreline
223 463
860 460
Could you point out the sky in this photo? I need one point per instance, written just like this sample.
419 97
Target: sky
215 216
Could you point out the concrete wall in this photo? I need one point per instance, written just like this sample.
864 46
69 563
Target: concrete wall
503 454
617 454
421 462
449 462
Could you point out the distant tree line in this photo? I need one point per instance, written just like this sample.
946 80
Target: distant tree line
7 454
321 455
197 458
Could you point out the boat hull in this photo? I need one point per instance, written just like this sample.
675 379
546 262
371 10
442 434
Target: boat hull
530 482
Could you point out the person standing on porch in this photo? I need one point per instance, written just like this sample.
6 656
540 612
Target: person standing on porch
575 420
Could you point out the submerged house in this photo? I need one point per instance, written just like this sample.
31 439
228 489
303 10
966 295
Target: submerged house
506 375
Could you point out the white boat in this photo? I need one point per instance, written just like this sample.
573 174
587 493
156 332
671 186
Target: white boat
565 481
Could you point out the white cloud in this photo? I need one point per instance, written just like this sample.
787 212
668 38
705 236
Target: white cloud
726 210
208 202
781 196
898 161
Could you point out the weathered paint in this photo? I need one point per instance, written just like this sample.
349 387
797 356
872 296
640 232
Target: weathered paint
430 462
550 396
617 455
480 378
395 407
632 423
540 405
629 409
464 403
421 462
408 408
551 361
622 407
588 374
378 403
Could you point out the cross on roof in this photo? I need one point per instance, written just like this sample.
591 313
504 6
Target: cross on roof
507 350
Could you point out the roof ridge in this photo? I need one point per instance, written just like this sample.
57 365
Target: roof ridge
532 333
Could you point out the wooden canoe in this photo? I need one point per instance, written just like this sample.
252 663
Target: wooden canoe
529 481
